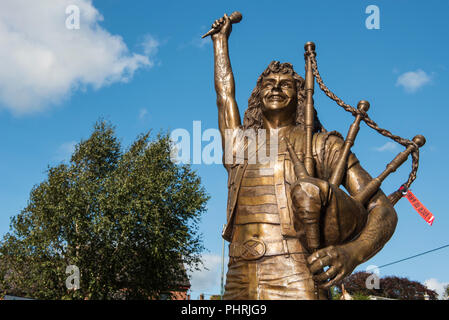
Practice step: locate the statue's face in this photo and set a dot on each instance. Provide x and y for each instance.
(278, 92)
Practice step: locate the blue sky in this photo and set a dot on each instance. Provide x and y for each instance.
(142, 65)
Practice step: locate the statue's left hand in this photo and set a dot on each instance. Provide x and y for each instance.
(309, 195)
(341, 261)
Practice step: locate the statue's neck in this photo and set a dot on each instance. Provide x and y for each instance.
(278, 119)
(278, 124)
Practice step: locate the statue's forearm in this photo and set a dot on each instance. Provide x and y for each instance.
(381, 220)
(224, 79)
(228, 113)
(379, 228)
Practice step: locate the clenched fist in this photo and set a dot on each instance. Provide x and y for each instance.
(223, 25)
(309, 196)
(340, 260)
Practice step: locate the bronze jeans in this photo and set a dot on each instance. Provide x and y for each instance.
(270, 278)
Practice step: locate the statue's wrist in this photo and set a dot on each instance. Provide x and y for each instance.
(357, 250)
(220, 37)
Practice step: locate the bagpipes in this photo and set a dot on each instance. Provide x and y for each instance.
(306, 169)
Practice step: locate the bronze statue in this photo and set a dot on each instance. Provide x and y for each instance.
(293, 232)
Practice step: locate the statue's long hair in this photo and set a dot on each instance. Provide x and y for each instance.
(253, 115)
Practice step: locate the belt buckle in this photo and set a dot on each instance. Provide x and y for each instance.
(253, 249)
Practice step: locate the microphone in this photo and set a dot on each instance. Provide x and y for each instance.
(235, 17)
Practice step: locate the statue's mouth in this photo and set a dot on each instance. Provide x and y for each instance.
(276, 97)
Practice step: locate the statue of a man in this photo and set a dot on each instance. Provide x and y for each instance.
(268, 253)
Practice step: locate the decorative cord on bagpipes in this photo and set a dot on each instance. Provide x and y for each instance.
(412, 146)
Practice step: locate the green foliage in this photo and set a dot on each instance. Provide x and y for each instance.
(128, 220)
(334, 293)
(358, 296)
(390, 287)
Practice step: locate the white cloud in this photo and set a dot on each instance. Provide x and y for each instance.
(196, 42)
(42, 61)
(413, 80)
(201, 42)
(150, 45)
(208, 279)
(142, 113)
(389, 146)
(437, 286)
(65, 151)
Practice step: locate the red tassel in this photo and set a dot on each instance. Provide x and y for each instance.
(419, 207)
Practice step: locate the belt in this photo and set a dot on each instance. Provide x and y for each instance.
(254, 248)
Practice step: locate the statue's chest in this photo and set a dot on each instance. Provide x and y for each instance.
(257, 201)
(263, 192)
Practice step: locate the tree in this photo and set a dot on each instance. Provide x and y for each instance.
(446, 292)
(127, 219)
(389, 287)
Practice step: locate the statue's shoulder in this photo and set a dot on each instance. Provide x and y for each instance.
(328, 139)
(327, 147)
(321, 140)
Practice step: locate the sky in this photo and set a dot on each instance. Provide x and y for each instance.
(142, 65)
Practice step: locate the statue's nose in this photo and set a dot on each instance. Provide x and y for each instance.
(277, 86)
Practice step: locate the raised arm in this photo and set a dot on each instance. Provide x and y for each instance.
(228, 113)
